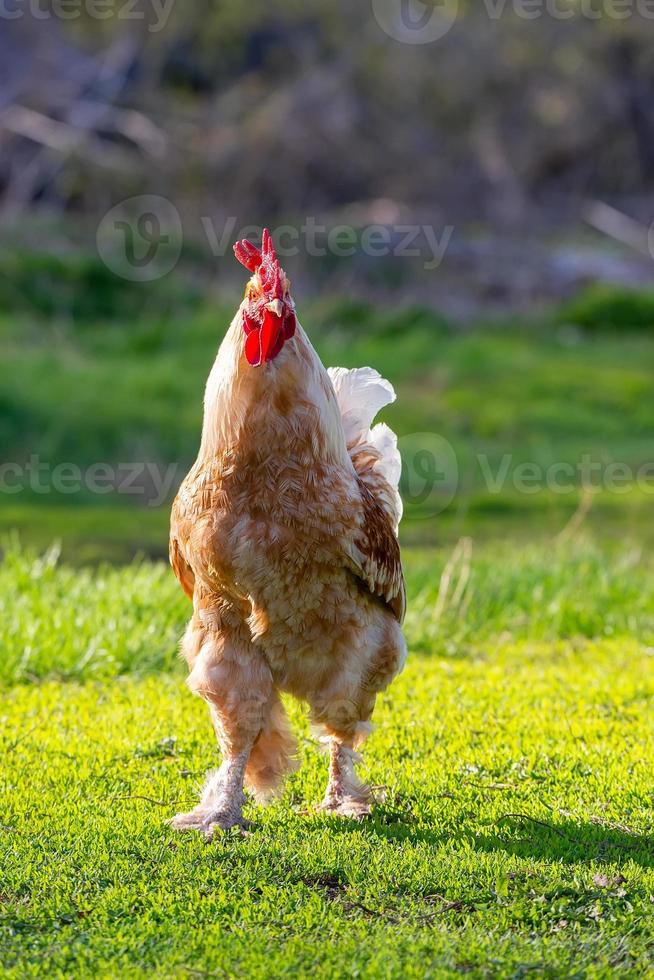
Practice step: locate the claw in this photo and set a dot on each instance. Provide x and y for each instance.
(346, 795)
(353, 809)
(206, 821)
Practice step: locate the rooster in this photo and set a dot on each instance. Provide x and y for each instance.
(284, 536)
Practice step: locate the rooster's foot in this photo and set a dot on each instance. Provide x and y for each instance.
(206, 820)
(346, 795)
(348, 806)
(221, 805)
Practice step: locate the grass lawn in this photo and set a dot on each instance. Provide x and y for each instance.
(515, 754)
(125, 390)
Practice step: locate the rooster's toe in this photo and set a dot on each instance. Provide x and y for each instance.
(348, 807)
(207, 821)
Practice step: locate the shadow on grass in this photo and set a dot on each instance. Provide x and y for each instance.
(569, 841)
(559, 840)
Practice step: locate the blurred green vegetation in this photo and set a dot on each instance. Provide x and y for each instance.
(80, 287)
(611, 308)
(80, 388)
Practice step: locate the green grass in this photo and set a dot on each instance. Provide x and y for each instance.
(88, 533)
(66, 623)
(85, 383)
(96, 532)
(121, 390)
(515, 752)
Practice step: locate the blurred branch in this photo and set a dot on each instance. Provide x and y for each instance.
(618, 225)
(59, 140)
(64, 138)
(58, 136)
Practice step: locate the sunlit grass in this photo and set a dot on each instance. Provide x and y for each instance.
(71, 623)
(515, 755)
(515, 835)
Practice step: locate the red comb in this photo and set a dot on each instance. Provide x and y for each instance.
(264, 261)
(247, 254)
(266, 331)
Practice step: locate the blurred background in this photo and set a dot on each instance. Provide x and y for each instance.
(462, 197)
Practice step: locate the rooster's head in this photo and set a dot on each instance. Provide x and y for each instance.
(268, 311)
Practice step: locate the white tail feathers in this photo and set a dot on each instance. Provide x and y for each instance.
(385, 442)
(361, 393)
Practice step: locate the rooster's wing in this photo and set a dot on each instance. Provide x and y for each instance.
(179, 532)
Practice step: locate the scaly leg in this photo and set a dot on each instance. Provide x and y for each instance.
(346, 795)
(221, 804)
(235, 681)
(344, 708)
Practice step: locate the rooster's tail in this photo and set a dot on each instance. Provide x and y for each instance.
(361, 393)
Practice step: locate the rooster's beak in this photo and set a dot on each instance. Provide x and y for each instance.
(275, 306)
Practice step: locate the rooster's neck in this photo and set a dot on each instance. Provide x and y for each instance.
(285, 406)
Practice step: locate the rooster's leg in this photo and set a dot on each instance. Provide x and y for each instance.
(235, 681)
(346, 795)
(222, 799)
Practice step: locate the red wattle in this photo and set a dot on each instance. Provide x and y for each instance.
(290, 322)
(270, 330)
(253, 348)
(277, 346)
(249, 324)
